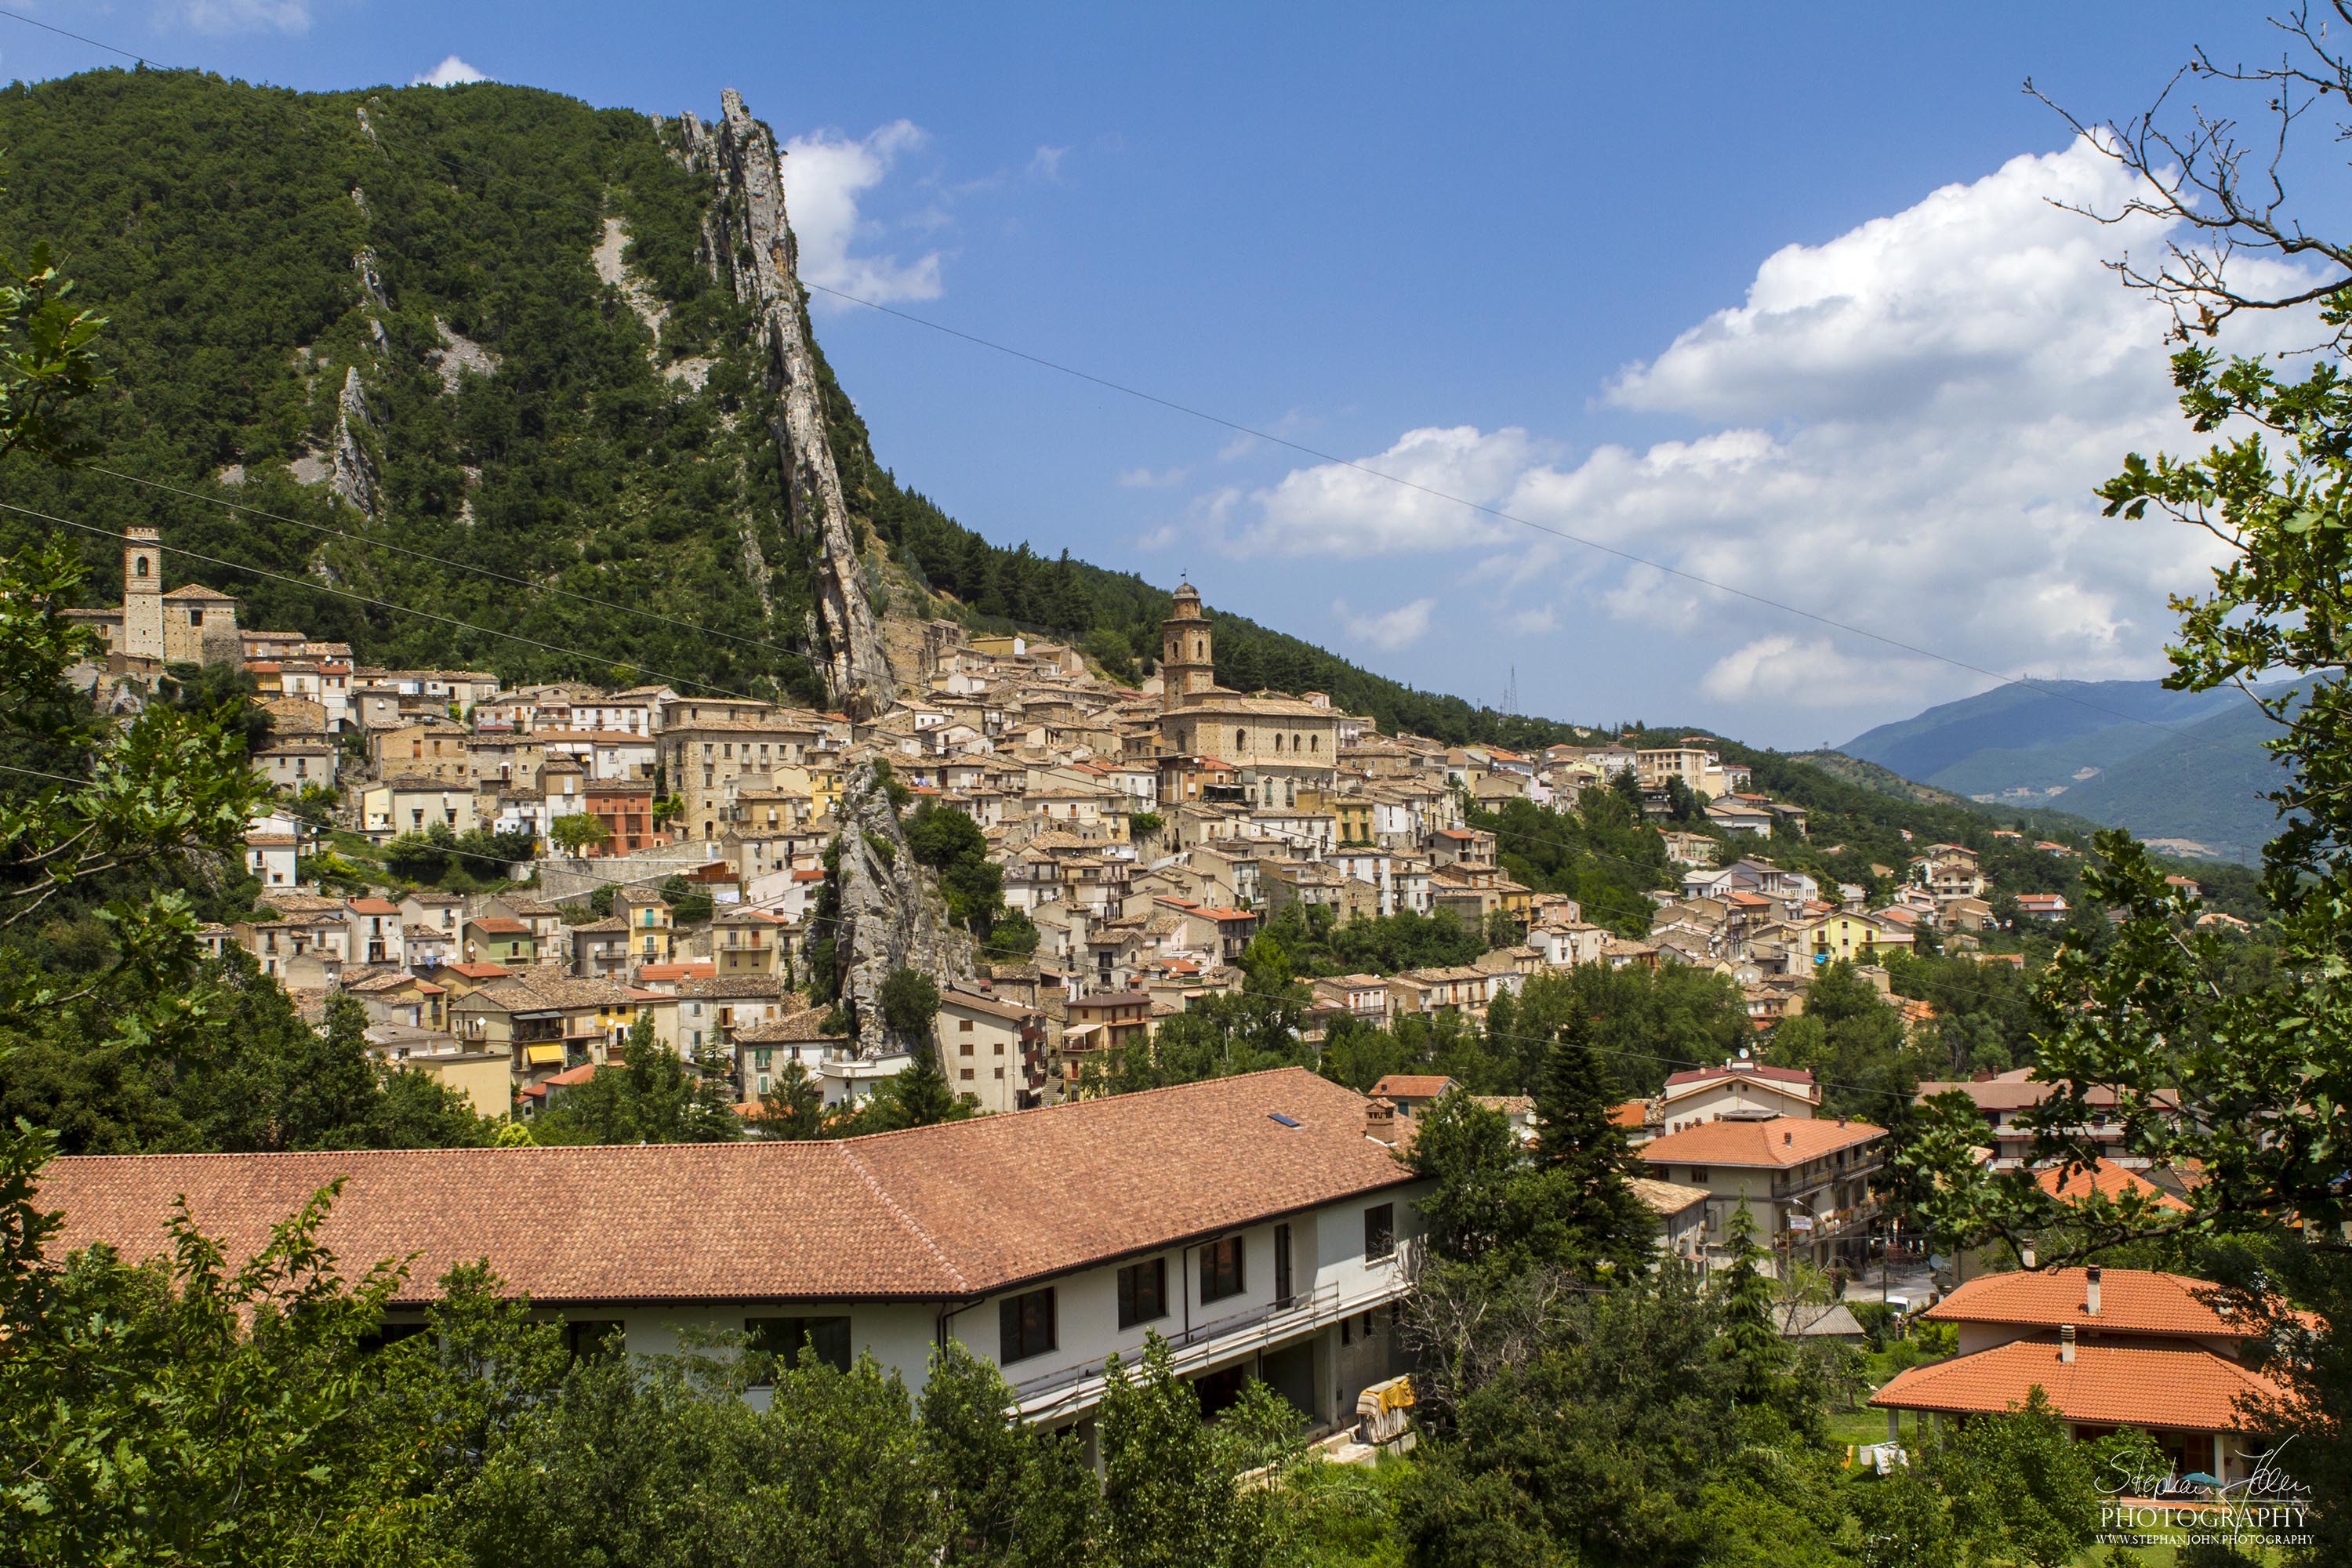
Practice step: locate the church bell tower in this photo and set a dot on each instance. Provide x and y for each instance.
(1186, 669)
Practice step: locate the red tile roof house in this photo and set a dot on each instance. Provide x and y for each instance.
(2133, 1348)
(1251, 1221)
(1739, 1089)
(1804, 1183)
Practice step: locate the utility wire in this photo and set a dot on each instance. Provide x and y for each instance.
(77, 37)
(453, 163)
(310, 587)
(488, 572)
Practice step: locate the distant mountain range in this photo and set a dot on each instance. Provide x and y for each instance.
(2185, 769)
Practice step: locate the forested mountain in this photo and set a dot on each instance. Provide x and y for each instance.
(466, 362)
(2121, 754)
(516, 411)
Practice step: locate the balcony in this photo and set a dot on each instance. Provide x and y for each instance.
(1066, 1390)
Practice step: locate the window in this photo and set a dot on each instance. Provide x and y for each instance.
(1024, 1326)
(586, 1339)
(1142, 1292)
(1380, 1231)
(1241, 739)
(789, 1340)
(964, 1075)
(1698, 1173)
(1220, 1270)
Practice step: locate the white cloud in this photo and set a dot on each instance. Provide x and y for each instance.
(1047, 164)
(1387, 630)
(451, 72)
(1336, 509)
(825, 175)
(240, 16)
(1802, 672)
(1899, 429)
(1150, 479)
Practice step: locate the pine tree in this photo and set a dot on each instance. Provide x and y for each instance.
(922, 1092)
(794, 1108)
(1581, 1154)
(1750, 1340)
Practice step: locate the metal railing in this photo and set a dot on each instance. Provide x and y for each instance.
(1262, 1325)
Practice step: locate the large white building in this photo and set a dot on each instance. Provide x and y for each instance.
(1252, 1222)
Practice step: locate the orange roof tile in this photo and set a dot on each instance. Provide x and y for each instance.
(2165, 1385)
(2109, 1180)
(953, 1210)
(1633, 1113)
(1775, 1141)
(2131, 1301)
(1413, 1086)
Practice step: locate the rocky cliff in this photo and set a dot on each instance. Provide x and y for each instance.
(747, 238)
(890, 916)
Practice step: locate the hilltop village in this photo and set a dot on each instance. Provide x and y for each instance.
(648, 854)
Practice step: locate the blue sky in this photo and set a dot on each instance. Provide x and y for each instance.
(1765, 293)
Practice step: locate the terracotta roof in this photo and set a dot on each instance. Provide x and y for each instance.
(698, 969)
(1633, 1113)
(1775, 1141)
(499, 925)
(1413, 1086)
(2110, 1180)
(801, 1025)
(2131, 1301)
(2105, 1386)
(1664, 1198)
(730, 987)
(950, 1211)
(1793, 1077)
(374, 907)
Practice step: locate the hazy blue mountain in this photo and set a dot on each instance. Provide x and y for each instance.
(2166, 764)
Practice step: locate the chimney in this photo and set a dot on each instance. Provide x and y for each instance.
(2066, 1344)
(1379, 1120)
(2091, 1289)
(2025, 1257)
(1788, 1138)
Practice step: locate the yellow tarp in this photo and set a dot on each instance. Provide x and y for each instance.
(540, 1056)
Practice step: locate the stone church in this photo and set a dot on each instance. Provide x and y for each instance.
(154, 626)
(1282, 746)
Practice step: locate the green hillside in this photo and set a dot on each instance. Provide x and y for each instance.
(257, 249)
(217, 224)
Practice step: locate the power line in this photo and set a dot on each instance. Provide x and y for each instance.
(451, 162)
(308, 586)
(1496, 512)
(77, 37)
(444, 561)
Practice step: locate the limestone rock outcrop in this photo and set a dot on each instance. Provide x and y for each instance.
(751, 241)
(891, 917)
(354, 471)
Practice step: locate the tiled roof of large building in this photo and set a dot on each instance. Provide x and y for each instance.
(2131, 1301)
(2104, 1386)
(1775, 1141)
(954, 1210)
